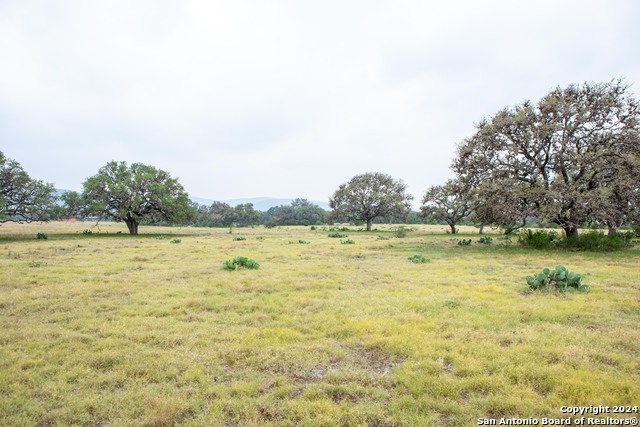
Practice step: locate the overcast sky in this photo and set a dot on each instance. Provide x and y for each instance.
(286, 98)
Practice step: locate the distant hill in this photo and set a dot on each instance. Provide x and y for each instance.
(259, 203)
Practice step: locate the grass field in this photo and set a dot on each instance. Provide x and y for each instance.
(111, 329)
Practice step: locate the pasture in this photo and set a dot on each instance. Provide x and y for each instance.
(112, 329)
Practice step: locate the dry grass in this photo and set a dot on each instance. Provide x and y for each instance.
(121, 330)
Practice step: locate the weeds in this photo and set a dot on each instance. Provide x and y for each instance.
(239, 238)
(337, 235)
(347, 242)
(418, 259)
(240, 262)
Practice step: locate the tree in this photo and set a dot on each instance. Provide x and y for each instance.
(244, 214)
(23, 199)
(448, 203)
(369, 196)
(299, 212)
(135, 193)
(555, 156)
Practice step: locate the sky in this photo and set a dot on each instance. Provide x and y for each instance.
(286, 99)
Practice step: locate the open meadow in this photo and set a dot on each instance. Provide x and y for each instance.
(112, 329)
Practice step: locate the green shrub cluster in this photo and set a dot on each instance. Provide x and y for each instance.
(347, 242)
(418, 259)
(41, 236)
(485, 240)
(238, 262)
(176, 241)
(464, 242)
(538, 239)
(559, 279)
(301, 242)
(238, 238)
(337, 235)
(591, 241)
(87, 232)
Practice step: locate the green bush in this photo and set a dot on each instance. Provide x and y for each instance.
(401, 232)
(41, 236)
(539, 239)
(418, 259)
(337, 235)
(347, 242)
(598, 241)
(176, 241)
(238, 238)
(486, 240)
(464, 242)
(313, 228)
(240, 262)
(559, 279)
(87, 232)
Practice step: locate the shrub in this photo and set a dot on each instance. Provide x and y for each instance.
(87, 232)
(464, 242)
(597, 241)
(538, 239)
(41, 236)
(238, 262)
(313, 228)
(486, 240)
(176, 241)
(337, 235)
(401, 232)
(259, 238)
(238, 238)
(347, 242)
(559, 279)
(418, 259)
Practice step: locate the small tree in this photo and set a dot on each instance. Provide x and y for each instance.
(369, 196)
(23, 199)
(135, 193)
(448, 203)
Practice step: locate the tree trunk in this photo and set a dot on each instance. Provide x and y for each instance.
(613, 230)
(369, 224)
(132, 225)
(481, 231)
(453, 228)
(571, 231)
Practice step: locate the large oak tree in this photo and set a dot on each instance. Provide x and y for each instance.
(135, 193)
(23, 199)
(371, 195)
(557, 155)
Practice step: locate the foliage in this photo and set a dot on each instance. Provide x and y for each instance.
(591, 241)
(299, 212)
(240, 262)
(418, 259)
(220, 214)
(347, 242)
(337, 235)
(557, 160)
(449, 203)
(485, 240)
(136, 193)
(23, 199)
(41, 236)
(175, 241)
(464, 242)
(383, 238)
(559, 279)
(369, 196)
(538, 239)
(597, 241)
(239, 238)
(86, 232)
(401, 231)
